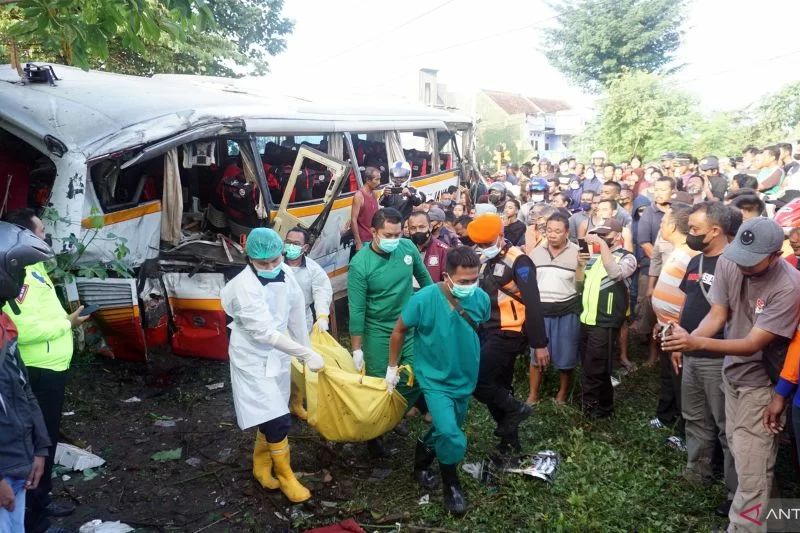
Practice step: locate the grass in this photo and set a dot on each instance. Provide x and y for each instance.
(615, 475)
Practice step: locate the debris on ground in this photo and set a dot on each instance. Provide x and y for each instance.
(164, 423)
(345, 526)
(542, 465)
(98, 526)
(75, 458)
(167, 455)
(215, 386)
(194, 461)
(132, 399)
(425, 500)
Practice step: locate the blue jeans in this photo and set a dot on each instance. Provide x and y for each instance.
(14, 521)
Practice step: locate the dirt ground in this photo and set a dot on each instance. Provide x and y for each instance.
(211, 486)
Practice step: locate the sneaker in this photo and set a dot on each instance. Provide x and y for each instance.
(657, 424)
(676, 443)
(615, 381)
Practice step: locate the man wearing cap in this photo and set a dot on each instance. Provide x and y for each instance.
(379, 283)
(605, 304)
(709, 166)
(509, 278)
(754, 297)
(438, 229)
(537, 194)
(400, 196)
(269, 325)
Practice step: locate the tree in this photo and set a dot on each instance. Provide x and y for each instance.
(217, 37)
(777, 116)
(642, 115)
(595, 40)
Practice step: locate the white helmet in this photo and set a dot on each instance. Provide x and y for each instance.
(400, 169)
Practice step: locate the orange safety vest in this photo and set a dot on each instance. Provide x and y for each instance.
(508, 311)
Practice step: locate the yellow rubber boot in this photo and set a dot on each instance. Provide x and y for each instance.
(262, 463)
(296, 403)
(283, 471)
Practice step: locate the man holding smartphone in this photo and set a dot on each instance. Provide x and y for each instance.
(45, 344)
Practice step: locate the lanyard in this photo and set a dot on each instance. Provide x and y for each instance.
(700, 273)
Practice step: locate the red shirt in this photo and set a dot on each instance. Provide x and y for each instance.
(435, 258)
(368, 209)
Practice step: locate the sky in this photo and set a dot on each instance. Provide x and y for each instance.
(734, 51)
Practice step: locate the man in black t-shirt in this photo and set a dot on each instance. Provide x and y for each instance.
(702, 399)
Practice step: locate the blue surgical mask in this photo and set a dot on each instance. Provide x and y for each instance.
(490, 252)
(463, 291)
(292, 251)
(269, 274)
(388, 245)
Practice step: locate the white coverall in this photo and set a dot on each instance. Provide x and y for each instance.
(316, 287)
(260, 350)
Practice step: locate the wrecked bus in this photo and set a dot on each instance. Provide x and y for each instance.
(149, 186)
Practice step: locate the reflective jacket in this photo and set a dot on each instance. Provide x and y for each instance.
(45, 332)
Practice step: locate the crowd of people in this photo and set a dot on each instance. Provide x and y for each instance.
(568, 264)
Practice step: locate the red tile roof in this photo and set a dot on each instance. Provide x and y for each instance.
(515, 104)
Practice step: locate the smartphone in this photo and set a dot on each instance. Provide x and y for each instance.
(584, 246)
(89, 309)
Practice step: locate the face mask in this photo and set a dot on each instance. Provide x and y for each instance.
(466, 241)
(563, 181)
(389, 245)
(49, 240)
(446, 203)
(696, 242)
(694, 190)
(796, 157)
(611, 242)
(574, 185)
(586, 206)
(463, 291)
(292, 251)
(537, 198)
(420, 237)
(269, 274)
(490, 252)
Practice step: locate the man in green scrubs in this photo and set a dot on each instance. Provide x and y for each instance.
(378, 286)
(445, 318)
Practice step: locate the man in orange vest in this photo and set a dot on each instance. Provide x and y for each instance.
(516, 324)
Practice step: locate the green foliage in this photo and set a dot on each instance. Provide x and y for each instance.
(777, 116)
(594, 41)
(490, 138)
(148, 36)
(643, 115)
(65, 268)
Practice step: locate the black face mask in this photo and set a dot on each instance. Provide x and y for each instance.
(420, 237)
(695, 242)
(466, 241)
(610, 242)
(49, 240)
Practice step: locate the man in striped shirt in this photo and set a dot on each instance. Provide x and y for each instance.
(668, 299)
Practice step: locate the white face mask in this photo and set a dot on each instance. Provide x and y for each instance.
(537, 198)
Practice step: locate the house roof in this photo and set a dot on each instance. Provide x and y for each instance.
(515, 104)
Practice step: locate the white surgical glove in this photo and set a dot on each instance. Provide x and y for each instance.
(315, 362)
(392, 377)
(322, 323)
(358, 359)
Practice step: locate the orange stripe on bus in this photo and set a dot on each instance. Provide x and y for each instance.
(338, 272)
(196, 304)
(126, 214)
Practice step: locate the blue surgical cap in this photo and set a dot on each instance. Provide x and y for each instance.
(263, 244)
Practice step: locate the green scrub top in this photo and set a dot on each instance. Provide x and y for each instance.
(446, 348)
(378, 286)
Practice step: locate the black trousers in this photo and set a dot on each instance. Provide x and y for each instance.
(668, 409)
(48, 387)
(275, 430)
(499, 351)
(597, 394)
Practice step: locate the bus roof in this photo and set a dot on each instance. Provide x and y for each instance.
(97, 113)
